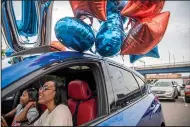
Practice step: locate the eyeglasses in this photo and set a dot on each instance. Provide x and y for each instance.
(45, 88)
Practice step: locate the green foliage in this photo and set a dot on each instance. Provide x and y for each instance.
(2, 52)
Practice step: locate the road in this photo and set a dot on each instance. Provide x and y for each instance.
(176, 113)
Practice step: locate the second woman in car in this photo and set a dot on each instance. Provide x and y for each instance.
(52, 94)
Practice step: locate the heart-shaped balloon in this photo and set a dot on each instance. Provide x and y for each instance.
(74, 34)
(145, 35)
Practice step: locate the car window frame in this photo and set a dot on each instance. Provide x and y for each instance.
(145, 84)
(126, 69)
(36, 75)
(116, 111)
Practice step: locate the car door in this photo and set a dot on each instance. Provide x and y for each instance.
(155, 117)
(98, 74)
(131, 108)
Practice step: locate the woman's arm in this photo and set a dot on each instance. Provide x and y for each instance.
(22, 116)
(10, 114)
(13, 112)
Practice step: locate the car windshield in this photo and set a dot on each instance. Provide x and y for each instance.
(163, 84)
(188, 82)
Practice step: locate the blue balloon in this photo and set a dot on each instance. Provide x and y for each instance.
(28, 25)
(153, 53)
(111, 34)
(120, 6)
(9, 52)
(74, 34)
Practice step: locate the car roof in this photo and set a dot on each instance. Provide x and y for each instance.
(16, 71)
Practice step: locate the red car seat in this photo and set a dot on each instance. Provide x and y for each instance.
(81, 103)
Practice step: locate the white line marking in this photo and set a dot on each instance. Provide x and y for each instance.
(185, 102)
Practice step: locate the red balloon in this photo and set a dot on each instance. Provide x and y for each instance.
(142, 8)
(95, 8)
(57, 46)
(145, 34)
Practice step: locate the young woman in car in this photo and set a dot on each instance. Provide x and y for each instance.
(52, 94)
(26, 112)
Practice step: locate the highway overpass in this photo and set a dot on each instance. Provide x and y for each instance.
(164, 68)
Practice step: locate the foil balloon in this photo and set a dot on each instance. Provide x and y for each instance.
(74, 34)
(89, 8)
(57, 46)
(34, 28)
(120, 6)
(28, 25)
(9, 52)
(111, 34)
(153, 53)
(145, 35)
(140, 9)
(12, 60)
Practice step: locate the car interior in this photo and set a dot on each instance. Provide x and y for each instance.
(80, 87)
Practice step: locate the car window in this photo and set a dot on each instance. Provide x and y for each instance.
(141, 84)
(163, 84)
(125, 87)
(188, 82)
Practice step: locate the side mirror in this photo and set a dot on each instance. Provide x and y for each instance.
(183, 85)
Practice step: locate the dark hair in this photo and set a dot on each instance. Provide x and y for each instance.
(32, 93)
(60, 95)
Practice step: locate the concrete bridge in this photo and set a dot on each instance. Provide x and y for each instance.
(183, 67)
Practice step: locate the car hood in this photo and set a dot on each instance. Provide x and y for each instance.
(161, 88)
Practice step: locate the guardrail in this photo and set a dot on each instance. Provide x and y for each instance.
(165, 65)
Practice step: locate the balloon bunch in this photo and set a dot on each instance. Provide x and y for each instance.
(148, 26)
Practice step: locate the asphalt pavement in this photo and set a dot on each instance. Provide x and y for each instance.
(176, 113)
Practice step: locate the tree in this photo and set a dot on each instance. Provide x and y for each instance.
(3, 52)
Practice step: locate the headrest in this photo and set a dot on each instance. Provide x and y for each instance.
(79, 90)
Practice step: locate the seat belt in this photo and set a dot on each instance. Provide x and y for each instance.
(75, 114)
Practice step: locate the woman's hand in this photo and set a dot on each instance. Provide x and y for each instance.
(31, 104)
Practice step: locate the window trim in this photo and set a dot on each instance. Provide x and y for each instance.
(118, 111)
(36, 75)
(125, 69)
(145, 84)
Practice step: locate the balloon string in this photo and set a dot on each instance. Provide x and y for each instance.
(129, 22)
(122, 56)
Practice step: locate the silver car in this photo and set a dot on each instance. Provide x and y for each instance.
(165, 90)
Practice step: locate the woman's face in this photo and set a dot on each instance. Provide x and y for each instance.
(24, 99)
(47, 93)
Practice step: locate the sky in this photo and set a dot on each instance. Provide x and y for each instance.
(175, 42)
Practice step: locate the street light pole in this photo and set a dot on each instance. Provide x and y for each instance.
(174, 59)
(142, 62)
(169, 56)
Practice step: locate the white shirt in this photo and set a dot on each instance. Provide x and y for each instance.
(60, 116)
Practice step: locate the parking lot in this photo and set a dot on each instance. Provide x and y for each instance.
(176, 113)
